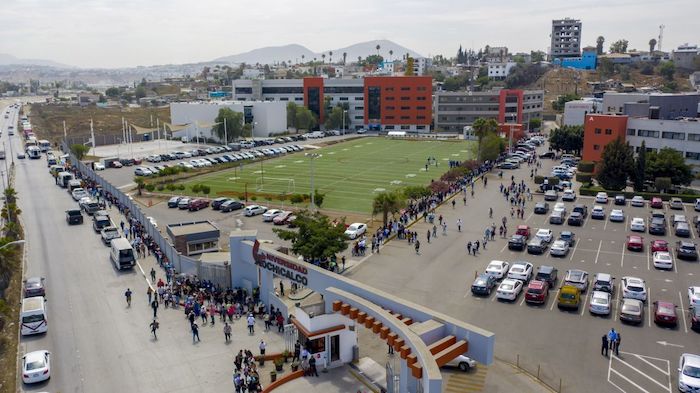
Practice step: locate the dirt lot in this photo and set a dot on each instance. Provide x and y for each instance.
(47, 120)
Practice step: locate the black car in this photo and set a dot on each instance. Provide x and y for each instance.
(583, 209)
(74, 216)
(100, 222)
(231, 205)
(569, 237)
(620, 199)
(517, 242)
(484, 284)
(216, 203)
(575, 219)
(548, 274)
(657, 225)
(172, 202)
(541, 207)
(536, 246)
(686, 250)
(549, 154)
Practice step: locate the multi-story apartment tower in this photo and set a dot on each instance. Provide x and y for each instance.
(566, 38)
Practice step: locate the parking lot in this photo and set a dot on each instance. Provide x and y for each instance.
(563, 343)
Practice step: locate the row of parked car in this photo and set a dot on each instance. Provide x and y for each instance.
(510, 280)
(523, 151)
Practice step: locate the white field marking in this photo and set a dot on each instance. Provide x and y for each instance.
(464, 151)
(346, 149)
(233, 178)
(423, 170)
(600, 244)
(330, 153)
(411, 175)
(395, 182)
(299, 161)
(379, 189)
(283, 166)
(454, 155)
(685, 323)
(447, 159)
(257, 172)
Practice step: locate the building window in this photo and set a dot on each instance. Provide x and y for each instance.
(421, 88)
(389, 89)
(420, 117)
(420, 127)
(359, 98)
(597, 130)
(694, 137)
(388, 127)
(405, 117)
(284, 98)
(282, 90)
(648, 133)
(596, 147)
(608, 131)
(359, 117)
(405, 108)
(692, 156)
(420, 98)
(405, 127)
(390, 98)
(420, 108)
(405, 98)
(343, 89)
(343, 98)
(374, 97)
(390, 108)
(673, 135)
(631, 131)
(359, 108)
(299, 99)
(405, 89)
(390, 117)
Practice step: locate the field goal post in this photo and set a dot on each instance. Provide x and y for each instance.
(278, 185)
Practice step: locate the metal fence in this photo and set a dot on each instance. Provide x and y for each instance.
(218, 274)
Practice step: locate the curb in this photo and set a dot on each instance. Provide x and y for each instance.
(357, 373)
(527, 373)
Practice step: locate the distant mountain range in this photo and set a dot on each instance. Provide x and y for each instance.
(294, 52)
(6, 59)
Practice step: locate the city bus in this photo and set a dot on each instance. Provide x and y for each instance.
(44, 145)
(33, 152)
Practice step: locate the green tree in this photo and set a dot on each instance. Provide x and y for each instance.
(524, 75)
(234, 125)
(668, 162)
(334, 119)
(373, 60)
(606, 67)
(599, 45)
(409, 67)
(537, 56)
(79, 150)
(292, 115)
(619, 46)
(535, 123)
(483, 127)
(306, 119)
(317, 237)
(113, 92)
(617, 162)
(416, 192)
(640, 165)
(451, 84)
(561, 101)
(140, 183)
(491, 147)
(140, 92)
(647, 69)
(652, 45)
(318, 198)
(387, 202)
(667, 70)
(567, 138)
(663, 184)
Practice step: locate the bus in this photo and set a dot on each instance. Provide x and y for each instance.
(44, 145)
(33, 152)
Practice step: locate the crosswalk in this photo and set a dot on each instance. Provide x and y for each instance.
(633, 372)
(472, 381)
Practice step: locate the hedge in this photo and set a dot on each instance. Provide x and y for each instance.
(584, 177)
(591, 191)
(586, 166)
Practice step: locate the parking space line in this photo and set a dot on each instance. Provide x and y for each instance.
(530, 216)
(571, 258)
(555, 300)
(617, 302)
(685, 323)
(649, 259)
(522, 301)
(585, 300)
(504, 247)
(640, 372)
(610, 369)
(600, 244)
(622, 260)
(649, 302)
(673, 261)
(606, 223)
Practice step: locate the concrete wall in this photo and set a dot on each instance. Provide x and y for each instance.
(614, 103)
(576, 111)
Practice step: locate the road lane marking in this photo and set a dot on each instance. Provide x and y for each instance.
(622, 260)
(583, 309)
(649, 305)
(685, 323)
(600, 244)
(573, 252)
(638, 371)
(555, 300)
(616, 304)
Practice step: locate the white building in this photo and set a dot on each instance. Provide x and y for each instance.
(499, 71)
(421, 65)
(682, 135)
(576, 111)
(266, 117)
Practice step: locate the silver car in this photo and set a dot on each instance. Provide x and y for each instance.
(559, 248)
(462, 362)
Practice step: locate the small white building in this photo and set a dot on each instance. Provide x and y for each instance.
(499, 71)
(421, 65)
(251, 73)
(266, 117)
(576, 111)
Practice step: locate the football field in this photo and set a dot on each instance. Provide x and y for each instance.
(348, 173)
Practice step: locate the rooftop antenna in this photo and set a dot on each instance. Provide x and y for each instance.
(661, 35)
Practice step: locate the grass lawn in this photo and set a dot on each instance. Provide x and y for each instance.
(349, 173)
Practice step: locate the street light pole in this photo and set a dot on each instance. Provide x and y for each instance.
(345, 112)
(13, 242)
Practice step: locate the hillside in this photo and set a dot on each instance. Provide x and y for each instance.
(47, 121)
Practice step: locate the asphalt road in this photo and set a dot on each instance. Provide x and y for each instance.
(565, 345)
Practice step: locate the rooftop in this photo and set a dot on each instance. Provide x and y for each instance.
(186, 228)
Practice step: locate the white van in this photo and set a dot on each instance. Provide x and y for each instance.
(697, 204)
(122, 254)
(33, 314)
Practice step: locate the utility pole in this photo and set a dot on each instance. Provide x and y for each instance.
(312, 157)
(225, 133)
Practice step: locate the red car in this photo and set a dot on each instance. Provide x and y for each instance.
(635, 243)
(657, 203)
(659, 245)
(665, 313)
(536, 292)
(197, 204)
(523, 230)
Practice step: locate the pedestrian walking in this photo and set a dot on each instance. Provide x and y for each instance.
(297, 350)
(149, 292)
(469, 248)
(604, 348)
(464, 199)
(251, 324)
(434, 231)
(391, 349)
(127, 295)
(195, 332)
(444, 228)
(417, 246)
(459, 225)
(262, 347)
(490, 212)
(153, 274)
(476, 247)
(612, 337)
(203, 315)
(154, 306)
(227, 332)
(428, 236)
(453, 203)
(618, 339)
(154, 326)
(312, 366)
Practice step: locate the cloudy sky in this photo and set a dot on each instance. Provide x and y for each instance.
(110, 33)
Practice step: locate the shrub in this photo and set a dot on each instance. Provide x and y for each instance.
(253, 198)
(196, 188)
(553, 180)
(296, 198)
(160, 187)
(150, 187)
(204, 189)
(539, 179)
(181, 187)
(171, 187)
(586, 166)
(584, 177)
(439, 186)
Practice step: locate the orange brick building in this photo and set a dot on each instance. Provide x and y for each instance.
(598, 131)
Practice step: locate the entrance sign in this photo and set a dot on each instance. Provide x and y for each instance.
(280, 266)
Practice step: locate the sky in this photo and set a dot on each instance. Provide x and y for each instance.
(126, 33)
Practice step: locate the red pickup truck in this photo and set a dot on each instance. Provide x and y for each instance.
(197, 204)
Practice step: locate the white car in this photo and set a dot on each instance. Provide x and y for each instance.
(254, 210)
(141, 171)
(634, 288)
(638, 225)
(559, 248)
(270, 215)
(663, 260)
(689, 373)
(462, 362)
(694, 296)
(186, 165)
(36, 366)
(356, 230)
(509, 289)
(601, 197)
(637, 201)
(99, 166)
(497, 269)
(520, 271)
(544, 234)
(79, 193)
(568, 195)
(617, 215)
(559, 207)
(600, 303)
(598, 212)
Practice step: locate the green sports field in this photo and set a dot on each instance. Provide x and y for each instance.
(349, 173)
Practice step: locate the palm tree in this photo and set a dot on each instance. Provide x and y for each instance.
(330, 57)
(378, 47)
(388, 202)
(302, 58)
(359, 59)
(323, 57)
(652, 45)
(599, 44)
(483, 127)
(345, 56)
(391, 53)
